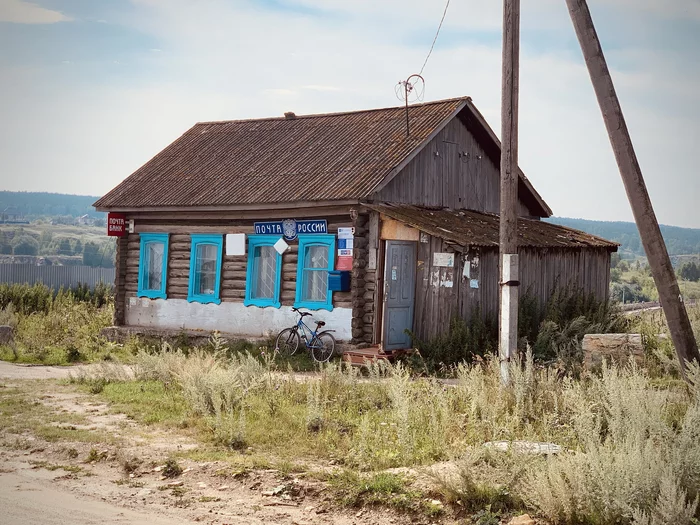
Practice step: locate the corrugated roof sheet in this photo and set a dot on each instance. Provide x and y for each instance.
(470, 228)
(307, 158)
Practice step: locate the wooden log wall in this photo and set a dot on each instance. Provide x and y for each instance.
(452, 171)
(363, 285)
(119, 277)
(233, 271)
(131, 273)
(178, 266)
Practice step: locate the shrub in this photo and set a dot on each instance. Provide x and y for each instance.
(555, 331)
(56, 329)
(637, 446)
(8, 317)
(461, 342)
(568, 315)
(213, 386)
(38, 298)
(26, 299)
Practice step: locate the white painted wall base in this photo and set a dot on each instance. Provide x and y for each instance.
(233, 318)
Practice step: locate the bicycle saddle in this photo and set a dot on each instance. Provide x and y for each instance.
(320, 323)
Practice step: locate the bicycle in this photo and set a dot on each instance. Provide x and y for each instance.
(321, 344)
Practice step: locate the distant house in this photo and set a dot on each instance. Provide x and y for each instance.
(84, 220)
(12, 214)
(376, 232)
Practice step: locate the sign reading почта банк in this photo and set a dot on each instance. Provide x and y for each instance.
(116, 225)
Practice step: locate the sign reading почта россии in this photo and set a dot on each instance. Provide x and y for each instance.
(291, 228)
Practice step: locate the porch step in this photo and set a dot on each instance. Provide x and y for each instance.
(360, 356)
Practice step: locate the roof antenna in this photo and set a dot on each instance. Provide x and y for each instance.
(410, 90)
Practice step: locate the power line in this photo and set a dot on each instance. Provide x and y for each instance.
(436, 37)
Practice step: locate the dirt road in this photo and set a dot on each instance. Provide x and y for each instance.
(28, 498)
(84, 481)
(29, 495)
(11, 371)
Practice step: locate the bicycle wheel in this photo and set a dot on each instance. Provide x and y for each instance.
(322, 347)
(287, 342)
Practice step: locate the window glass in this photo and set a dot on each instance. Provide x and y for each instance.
(315, 278)
(154, 265)
(265, 273)
(205, 278)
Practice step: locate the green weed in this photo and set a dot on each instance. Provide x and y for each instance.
(355, 490)
(171, 469)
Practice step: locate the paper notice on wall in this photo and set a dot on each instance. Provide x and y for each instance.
(474, 283)
(281, 246)
(446, 260)
(346, 233)
(235, 244)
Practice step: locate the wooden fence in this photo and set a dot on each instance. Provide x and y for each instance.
(55, 276)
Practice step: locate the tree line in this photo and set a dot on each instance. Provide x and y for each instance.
(32, 205)
(679, 241)
(92, 253)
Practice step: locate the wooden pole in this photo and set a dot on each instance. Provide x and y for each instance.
(508, 322)
(659, 261)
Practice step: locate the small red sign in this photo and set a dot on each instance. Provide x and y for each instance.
(343, 262)
(116, 224)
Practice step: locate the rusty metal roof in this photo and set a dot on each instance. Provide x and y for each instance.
(328, 157)
(470, 228)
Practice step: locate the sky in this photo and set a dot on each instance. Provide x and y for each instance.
(92, 89)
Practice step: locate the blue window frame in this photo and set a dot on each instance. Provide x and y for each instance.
(205, 268)
(316, 259)
(262, 282)
(153, 265)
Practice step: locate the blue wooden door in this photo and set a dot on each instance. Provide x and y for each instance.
(400, 285)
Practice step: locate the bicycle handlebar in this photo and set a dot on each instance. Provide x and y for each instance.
(297, 310)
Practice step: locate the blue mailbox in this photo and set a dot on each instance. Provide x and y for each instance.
(339, 281)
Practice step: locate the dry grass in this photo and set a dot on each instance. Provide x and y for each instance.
(629, 444)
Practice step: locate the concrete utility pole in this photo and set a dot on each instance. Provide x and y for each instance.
(508, 322)
(659, 262)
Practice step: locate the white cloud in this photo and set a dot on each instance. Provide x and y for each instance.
(23, 12)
